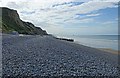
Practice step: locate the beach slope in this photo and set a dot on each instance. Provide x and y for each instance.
(46, 56)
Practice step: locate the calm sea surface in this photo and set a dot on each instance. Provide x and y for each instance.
(97, 41)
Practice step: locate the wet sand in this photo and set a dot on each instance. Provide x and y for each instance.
(110, 50)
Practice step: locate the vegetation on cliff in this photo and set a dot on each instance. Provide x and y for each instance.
(11, 21)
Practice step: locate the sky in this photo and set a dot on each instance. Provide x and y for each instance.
(69, 17)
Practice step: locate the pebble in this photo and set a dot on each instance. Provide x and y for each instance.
(46, 56)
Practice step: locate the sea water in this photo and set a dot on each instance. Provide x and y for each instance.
(96, 41)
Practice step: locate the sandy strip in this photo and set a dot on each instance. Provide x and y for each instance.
(109, 50)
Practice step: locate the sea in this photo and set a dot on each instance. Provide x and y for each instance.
(96, 41)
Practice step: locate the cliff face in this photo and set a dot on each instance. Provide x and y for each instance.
(12, 22)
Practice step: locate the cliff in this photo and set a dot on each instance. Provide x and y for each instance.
(11, 21)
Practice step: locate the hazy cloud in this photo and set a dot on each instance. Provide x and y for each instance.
(92, 15)
(52, 14)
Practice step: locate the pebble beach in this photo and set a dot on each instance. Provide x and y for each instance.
(46, 56)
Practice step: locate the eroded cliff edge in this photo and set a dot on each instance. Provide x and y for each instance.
(11, 21)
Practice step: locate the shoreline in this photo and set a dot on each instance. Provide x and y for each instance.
(71, 40)
(96, 42)
(109, 50)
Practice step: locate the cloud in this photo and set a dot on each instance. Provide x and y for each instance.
(105, 0)
(84, 16)
(109, 22)
(31, 12)
(92, 15)
(83, 20)
(70, 4)
(14, 5)
(55, 13)
(88, 7)
(116, 19)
